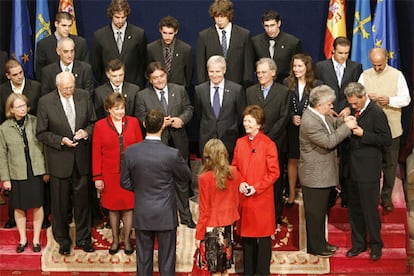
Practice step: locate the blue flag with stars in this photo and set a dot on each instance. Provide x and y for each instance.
(384, 31)
(362, 34)
(21, 41)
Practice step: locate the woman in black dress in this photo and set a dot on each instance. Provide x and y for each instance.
(300, 82)
(22, 167)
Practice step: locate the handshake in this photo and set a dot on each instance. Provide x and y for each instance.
(246, 189)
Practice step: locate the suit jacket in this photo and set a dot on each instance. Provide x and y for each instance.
(46, 52)
(325, 71)
(366, 151)
(276, 107)
(52, 126)
(317, 166)
(178, 106)
(239, 58)
(152, 169)
(182, 62)
(133, 53)
(129, 91)
(228, 125)
(31, 90)
(81, 70)
(3, 60)
(286, 46)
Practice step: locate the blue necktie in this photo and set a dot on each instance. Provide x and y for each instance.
(224, 42)
(216, 102)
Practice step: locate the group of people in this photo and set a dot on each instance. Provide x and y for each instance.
(60, 133)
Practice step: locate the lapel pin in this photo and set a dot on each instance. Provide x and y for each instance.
(76, 75)
(283, 46)
(226, 90)
(129, 37)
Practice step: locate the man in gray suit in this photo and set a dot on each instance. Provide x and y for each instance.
(172, 52)
(115, 72)
(46, 48)
(226, 124)
(173, 100)
(152, 170)
(82, 71)
(65, 119)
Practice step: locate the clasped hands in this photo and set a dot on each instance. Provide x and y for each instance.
(174, 122)
(79, 135)
(351, 123)
(246, 189)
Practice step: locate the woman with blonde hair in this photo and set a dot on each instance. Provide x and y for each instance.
(218, 207)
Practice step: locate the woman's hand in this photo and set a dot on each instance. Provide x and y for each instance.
(197, 243)
(99, 184)
(7, 185)
(296, 120)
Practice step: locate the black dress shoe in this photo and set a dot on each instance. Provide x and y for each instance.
(36, 247)
(87, 247)
(45, 224)
(375, 255)
(113, 251)
(11, 223)
(330, 247)
(64, 250)
(325, 254)
(20, 248)
(191, 224)
(129, 251)
(353, 252)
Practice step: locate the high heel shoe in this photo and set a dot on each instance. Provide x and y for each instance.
(36, 247)
(113, 251)
(129, 249)
(20, 248)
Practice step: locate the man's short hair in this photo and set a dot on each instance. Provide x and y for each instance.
(63, 40)
(154, 120)
(153, 66)
(342, 41)
(321, 94)
(118, 6)
(169, 22)
(270, 15)
(11, 63)
(114, 65)
(355, 89)
(223, 8)
(216, 60)
(63, 15)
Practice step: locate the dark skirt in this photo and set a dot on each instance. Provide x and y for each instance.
(218, 248)
(293, 141)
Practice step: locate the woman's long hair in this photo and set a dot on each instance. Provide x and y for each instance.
(216, 159)
(310, 77)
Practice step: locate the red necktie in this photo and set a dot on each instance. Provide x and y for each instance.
(357, 114)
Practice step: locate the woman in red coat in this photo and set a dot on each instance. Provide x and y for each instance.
(111, 136)
(218, 206)
(256, 158)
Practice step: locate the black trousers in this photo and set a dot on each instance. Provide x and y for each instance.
(257, 253)
(279, 186)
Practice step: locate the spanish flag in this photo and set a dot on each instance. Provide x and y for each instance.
(335, 25)
(67, 6)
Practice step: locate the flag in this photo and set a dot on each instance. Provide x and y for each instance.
(335, 24)
(42, 21)
(384, 31)
(67, 6)
(362, 34)
(21, 37)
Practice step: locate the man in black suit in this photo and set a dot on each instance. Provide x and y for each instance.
(115, 72)
(367, 141)
(231, 99)
(65, 120)
(173, 53)
(67, 63)
(228, 40)
(276, 44)
(337, 72)
(274, 98)
(153, 170)
(120, 40)
(31, 89)
(46, 48)
(174, 101)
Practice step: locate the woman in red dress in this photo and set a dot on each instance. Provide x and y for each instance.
(111, 136)
(218, 207)
(256, 158)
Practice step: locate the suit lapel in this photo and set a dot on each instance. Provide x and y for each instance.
(59, 110)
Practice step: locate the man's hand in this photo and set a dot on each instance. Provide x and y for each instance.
(176, 122)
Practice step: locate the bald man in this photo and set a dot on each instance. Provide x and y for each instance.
(387, 87)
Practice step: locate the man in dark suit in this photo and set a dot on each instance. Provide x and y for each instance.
(274, 98)
(231, 99)
(337, 72)
(31, 89)
(115, 72)
(228, 40)
(46, 48)
(65, 120)
(152, 170)
(174, 101)
(120, 40)
(173, 53)
(276, 44)
(3, 60)
(367, 141)
(81, 70)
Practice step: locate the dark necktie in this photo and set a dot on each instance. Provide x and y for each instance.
(224, 42)
(164, 103)
(168, 58)
(357, 114)
(216, 102)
